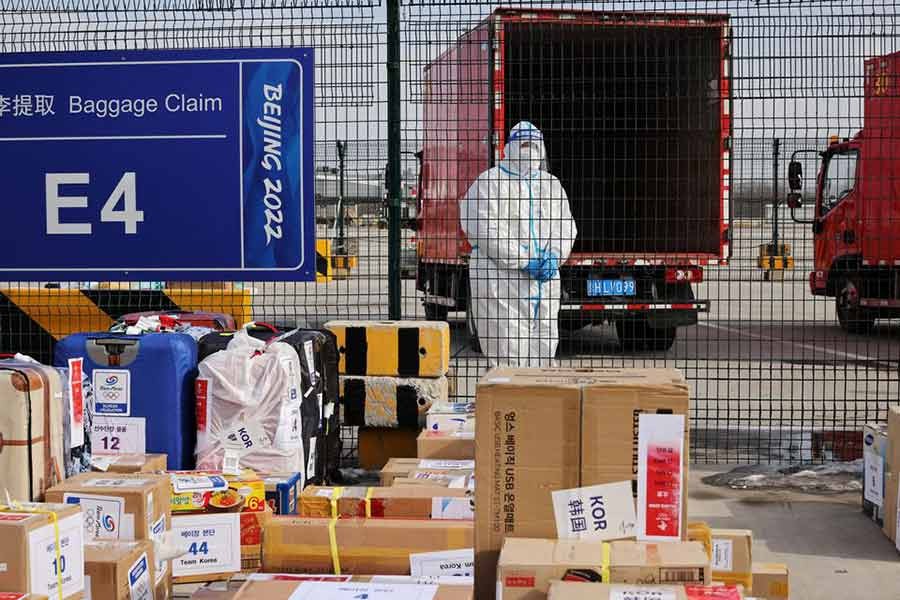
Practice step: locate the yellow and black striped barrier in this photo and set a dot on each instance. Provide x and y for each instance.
(33, 319)
(392, 348)
(775, 257)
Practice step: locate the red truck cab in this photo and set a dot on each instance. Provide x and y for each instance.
(856, 223)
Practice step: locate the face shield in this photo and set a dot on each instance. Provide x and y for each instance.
(525, 150)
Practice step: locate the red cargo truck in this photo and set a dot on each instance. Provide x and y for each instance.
(635, 111)
(856, 224)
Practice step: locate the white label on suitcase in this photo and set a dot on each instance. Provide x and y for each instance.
(213, 543)
(102, 515)
(118, 435)
(139, 579)
(112, 392)
(42, 551)
(311, 463)
(311, 362)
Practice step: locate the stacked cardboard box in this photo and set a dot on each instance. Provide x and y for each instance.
(892, 476)
(355, 587)
(453, 473)
(562, 590)
(419, 502)
(121, 570)
(129, 463)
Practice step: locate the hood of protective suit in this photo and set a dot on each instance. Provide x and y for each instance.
(525, 151)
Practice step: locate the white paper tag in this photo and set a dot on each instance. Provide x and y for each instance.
(423, 580)
(102, 515)
(185, 482)
(874, 474)
(448, 563)
(157, 531)
(598, 512)
(660, 476)
(245, 437)
(127, 531)
(112, 392)
(452, 508)
(311, 462)
(231, 462)
(642, 593)
(42, 551)
(139, 579)
(213, 544)
(116, 482)
(76, 400)
(317, 590)
(311, 362)
(102, 463)
(118, 435)
(722, 555)
(288, 435)
(447, 465)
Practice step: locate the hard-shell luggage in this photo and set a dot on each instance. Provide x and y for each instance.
(318, 355)
(143, 392)
(213, 320)
(393, 348)
(31, 429)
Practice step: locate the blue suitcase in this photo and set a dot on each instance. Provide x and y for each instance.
(143, 392)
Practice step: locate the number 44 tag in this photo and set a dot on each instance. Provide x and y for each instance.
(118, 435)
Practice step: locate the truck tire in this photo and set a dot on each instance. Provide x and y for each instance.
(852, 317)
(636, 335)
(436, 312)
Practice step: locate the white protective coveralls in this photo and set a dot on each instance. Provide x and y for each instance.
(512, 214)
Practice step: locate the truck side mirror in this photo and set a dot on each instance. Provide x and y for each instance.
(794, 201)
(795, 176)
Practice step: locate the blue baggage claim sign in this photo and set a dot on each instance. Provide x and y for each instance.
(158, 165)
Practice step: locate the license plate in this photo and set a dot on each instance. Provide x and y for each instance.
(610, 287)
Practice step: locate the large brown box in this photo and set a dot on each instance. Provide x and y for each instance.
(146, 499)
(377, 445)
(107, 566)
(892, 474)
(28, 549)
(446, 445)
(383, 502)
(413, 468)
(771, 581)
(527, 566)
(383, 546)
(136, 463)
(732, 557)
(283, 590)
(541, 430)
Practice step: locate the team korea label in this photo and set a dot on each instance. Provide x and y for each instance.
(213, 544)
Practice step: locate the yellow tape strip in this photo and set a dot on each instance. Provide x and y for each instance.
(53, 520)
(604, 568)
(369, 493)
(332, 538)
(335, 496)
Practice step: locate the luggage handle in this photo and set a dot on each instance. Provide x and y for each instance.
(261, 325)
(118, 352)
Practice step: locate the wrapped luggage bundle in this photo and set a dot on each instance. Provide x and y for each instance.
(249, 407)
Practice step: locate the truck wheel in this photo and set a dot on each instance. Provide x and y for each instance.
(436, 312)
(852, 317)
(636, 335)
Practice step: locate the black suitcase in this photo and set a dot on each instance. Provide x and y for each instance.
(319, 412)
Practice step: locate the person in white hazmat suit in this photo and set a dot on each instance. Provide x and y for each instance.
(518, 221)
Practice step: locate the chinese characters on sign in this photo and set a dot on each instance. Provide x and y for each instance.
(601, 512)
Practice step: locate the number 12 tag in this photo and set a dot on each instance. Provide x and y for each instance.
(118, 435)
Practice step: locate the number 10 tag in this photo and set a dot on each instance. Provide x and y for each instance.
(118, 435)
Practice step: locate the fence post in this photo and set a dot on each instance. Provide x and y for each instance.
(394, 132)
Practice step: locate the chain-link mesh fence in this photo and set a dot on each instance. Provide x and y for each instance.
(659, 122)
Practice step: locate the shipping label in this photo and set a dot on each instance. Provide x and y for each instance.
(454, 563)
(423, 580)
(213, 543)
(118, 435)
(157, 531)
(722, 555)
(68, 564)
(452, 508)
(598, 512)
(660, 485)
(102, 515)
(183, 482)
(717, 592)
(447, 465)
(315, 590)
(76, 400)
(117, 482)
(642, 593)
(112, 392)
(139, 579)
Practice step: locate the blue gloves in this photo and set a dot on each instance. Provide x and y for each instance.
(544, 267)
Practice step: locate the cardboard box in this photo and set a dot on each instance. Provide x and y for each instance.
(875, 450)
(732, 557)
(418, 502)
(568, 590)
(283, 491)
(383, 546)
(286, 590)
(451, 416)
(129, 463)
(892, 469)
(378, 445)
(446, 445)
(527, 566)
(196, 491)
(423, 469)
(558, 429)
(700, 531)
(119, 570)
(123, 506)
(29, 550)
(252, 525)
(771, 581)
